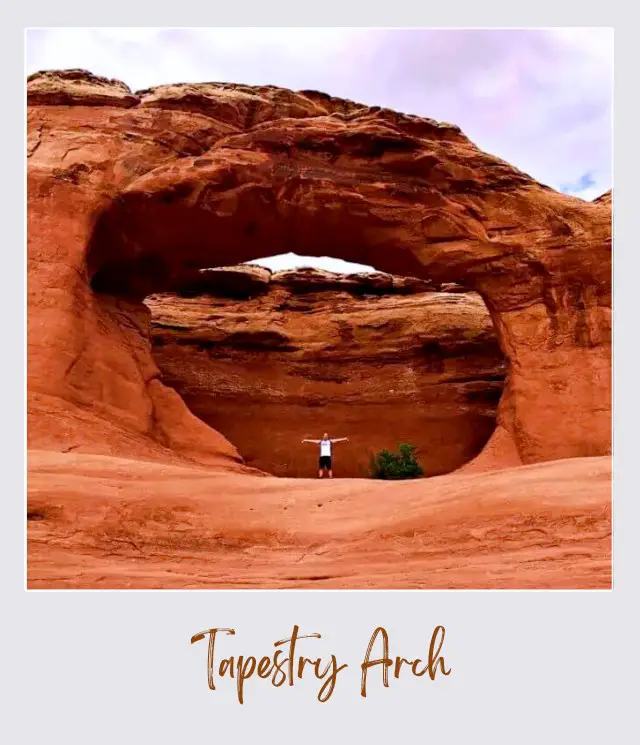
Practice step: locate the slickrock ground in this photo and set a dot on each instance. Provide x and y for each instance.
(375, 358)
(129, 192)
(106, 522)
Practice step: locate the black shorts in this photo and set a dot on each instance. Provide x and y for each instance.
(325, 462)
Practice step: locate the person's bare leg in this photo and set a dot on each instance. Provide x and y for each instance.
(330, 474)
(320, 474)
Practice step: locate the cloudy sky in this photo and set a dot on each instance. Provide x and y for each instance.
(540, 99)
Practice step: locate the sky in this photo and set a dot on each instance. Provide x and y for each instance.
(539, 99)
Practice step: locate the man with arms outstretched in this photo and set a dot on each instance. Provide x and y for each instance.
(324, 464)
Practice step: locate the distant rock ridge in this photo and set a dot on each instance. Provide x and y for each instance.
(247, 280)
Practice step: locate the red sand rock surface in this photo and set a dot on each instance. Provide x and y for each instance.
(128, 191)
(103, 522)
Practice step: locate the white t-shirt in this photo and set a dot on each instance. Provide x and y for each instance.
(325, 447)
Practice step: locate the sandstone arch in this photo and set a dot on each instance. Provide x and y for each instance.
(127, 190)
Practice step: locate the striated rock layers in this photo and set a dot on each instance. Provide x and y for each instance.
(269, 359)
(127, 192)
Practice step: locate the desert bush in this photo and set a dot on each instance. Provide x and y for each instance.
(401, 465)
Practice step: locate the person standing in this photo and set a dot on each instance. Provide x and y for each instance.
(326, 458)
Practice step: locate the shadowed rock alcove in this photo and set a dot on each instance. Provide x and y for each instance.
(268, 358)
(381, 365)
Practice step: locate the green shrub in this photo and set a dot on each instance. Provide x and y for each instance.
(400, 465)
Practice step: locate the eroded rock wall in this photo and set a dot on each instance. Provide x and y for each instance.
(270, 359)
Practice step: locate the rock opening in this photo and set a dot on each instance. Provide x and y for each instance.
(268, 358)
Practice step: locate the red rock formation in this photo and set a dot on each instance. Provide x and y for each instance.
(132, 194)
(605, 199)
(127, 191)
(269, 359)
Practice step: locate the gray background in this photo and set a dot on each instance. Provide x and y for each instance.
(104, 667)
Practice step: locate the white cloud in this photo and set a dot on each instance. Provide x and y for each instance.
(293, 261)
(587, 194)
